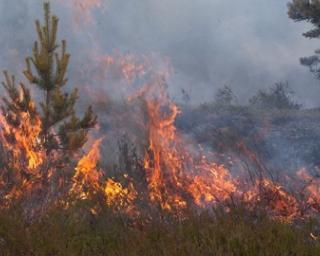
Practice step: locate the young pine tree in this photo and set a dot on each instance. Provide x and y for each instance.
(309, 11)
(61, 132)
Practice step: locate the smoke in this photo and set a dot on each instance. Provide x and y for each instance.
(246, 44)
(123, 48)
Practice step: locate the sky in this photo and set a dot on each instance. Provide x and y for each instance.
(248, 44)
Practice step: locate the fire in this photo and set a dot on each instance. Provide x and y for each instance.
(175, 178)
(275, 198)
(26, 138)
(120, 197)
(87, 182)
(89, 161)
(213, 185)
(162, 161)
(25, 157)
(87, 176)
(312, 188)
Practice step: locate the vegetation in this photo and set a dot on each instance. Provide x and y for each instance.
(225, 97)
(61, 131)
(78, 232)
(96, 217)
(42, 136)
(278, 97)
(302, 10)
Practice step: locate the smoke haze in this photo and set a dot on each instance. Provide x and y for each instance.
(249, 44)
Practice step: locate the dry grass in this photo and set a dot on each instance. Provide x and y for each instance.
(77, 232)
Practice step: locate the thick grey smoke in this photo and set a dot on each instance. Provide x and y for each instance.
(248, 44)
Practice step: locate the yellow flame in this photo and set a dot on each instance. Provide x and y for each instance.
(87, 178)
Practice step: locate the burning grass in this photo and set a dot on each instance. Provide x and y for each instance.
(168, 190)
(170, 173)
(166, 195)
(166, 201)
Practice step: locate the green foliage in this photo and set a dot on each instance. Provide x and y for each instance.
(309, 11)
(312, 63)
(278, 97)
(76, 231)
(61, 130)
(41, 137)
(306, 10)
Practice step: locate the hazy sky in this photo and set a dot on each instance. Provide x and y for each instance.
(247, 44)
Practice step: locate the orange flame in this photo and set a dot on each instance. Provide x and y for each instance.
(87, 176)
(174, 176)
(120, 197)
(312, 188)
(26, 138)
(275, 198)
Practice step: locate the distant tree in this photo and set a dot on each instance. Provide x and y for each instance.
(225, 97)
(308, 10)
(278, 96)
(185, 96)
(61, 132)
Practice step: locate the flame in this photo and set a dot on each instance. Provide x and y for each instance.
(175, 177)
(283, 205)
(25, 158)
(162, 161)
(26, 137)
(87, 177)
(312, 188)
(213, 185)
(120, 197)
(87, 181)
(89, 161)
